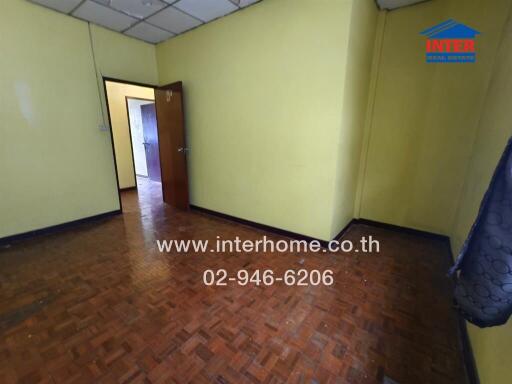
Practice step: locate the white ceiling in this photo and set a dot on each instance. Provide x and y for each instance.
(150, 20)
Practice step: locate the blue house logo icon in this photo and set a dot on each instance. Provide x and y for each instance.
(450, 42)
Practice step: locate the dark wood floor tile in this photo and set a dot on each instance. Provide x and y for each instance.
(99, 304)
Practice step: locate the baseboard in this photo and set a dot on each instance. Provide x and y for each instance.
(324, 243)
(399, 228)
(345, 229)
(467, 352)
(264, 227)
(465, 341)
(128, 189)
(55, 228)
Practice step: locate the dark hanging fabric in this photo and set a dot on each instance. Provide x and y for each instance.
(483, 291)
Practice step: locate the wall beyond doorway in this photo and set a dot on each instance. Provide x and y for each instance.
(116, 95)
(137, 135)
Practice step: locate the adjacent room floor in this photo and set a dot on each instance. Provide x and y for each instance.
(99, 304)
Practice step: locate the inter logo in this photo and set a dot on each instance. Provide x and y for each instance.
(450, 42)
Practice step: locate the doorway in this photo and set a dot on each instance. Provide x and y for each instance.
(144, 137)
(148, 141)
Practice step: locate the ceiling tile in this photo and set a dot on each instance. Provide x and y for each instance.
(206, 10)
(149, 20)
(149, 33)
(245, 3)
(104, 16)
(173, 20)
(138, 8)
(65, 6)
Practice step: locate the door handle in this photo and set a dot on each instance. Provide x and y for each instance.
(183, 149)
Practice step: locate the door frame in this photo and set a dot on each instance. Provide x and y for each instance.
(126, 98)
(114, 80)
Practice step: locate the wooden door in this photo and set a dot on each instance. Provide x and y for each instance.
(173, 149)
(148, 113)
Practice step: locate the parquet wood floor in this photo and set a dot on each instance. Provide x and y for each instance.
(99, 304)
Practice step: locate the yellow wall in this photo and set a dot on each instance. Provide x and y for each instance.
(425, 116)
(363, 26)
(56, 164)
(263, 93)
(288, 126)
(122, 58)
(431, 125)
(493, 346)
(273, 141)
(117, 93)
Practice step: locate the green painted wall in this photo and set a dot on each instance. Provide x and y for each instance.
(492, 346)
(264, 95)
(424, 117)
(56, 164)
